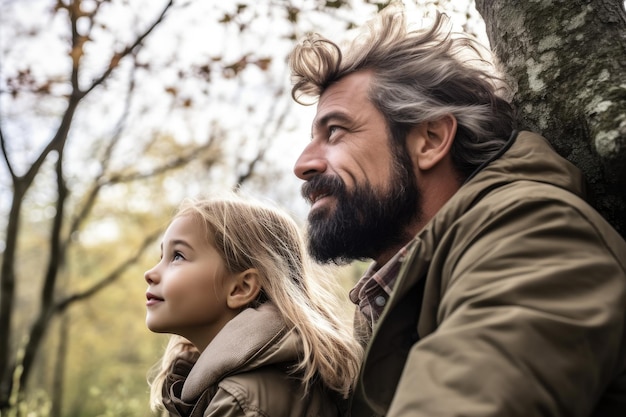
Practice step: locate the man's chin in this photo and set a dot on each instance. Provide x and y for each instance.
(327, 246)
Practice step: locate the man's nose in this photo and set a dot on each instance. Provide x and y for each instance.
(311, 162)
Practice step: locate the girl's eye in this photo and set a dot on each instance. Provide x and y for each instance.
(177, 256)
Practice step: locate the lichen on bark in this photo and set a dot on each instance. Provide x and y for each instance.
(568, 60)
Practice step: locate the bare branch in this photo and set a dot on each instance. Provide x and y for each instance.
(97, 184)
(57, 249)
(170, 165)
(109, 278)
(265, 137)
(5, 153)
(60, 137)
(129, 49)
(57, 257)
(56, 143)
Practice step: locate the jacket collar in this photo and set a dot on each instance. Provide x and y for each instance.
(254, 338)
(499, 154)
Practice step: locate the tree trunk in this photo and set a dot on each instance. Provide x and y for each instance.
(7, 297)
(568, 59)
(58, 388)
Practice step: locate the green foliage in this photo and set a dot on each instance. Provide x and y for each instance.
(38, 404)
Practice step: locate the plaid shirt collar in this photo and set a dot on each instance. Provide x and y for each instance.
(372, 291)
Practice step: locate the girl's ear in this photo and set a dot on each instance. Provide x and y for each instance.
(244, 289)
(430, 142)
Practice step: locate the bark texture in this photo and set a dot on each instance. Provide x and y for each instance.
(568, 59)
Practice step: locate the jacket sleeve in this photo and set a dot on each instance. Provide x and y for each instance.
(531, 320)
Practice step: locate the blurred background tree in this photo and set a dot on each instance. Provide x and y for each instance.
(112, 111)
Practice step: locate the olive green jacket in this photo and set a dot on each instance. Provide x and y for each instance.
(245, 371)
(511, 302)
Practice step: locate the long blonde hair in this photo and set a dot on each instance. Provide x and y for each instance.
(251, 234)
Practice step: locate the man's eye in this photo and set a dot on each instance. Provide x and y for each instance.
(332, 130)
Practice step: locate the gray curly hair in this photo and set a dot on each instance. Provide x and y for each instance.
(419, 75)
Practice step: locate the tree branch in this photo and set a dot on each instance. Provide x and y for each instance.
(120, 55)
(109, 278)
(264, 137)
(57, 257)
(168, 166)
(5, 154)
(98, 182)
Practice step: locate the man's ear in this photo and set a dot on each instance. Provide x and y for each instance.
(244, 289)
(429, 142)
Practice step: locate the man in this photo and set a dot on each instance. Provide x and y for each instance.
(495, 290)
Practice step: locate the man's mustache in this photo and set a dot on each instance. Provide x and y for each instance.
(322, 185)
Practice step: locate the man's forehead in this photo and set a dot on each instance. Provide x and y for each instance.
(341, 98)
(354, 83)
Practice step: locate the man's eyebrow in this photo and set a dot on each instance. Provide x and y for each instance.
(333, 115)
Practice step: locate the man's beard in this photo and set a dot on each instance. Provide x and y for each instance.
(364, 222)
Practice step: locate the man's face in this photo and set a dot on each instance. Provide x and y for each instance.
(361, 188)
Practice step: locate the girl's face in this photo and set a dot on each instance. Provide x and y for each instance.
(188, 288)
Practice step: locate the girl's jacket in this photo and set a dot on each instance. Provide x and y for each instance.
(511, 302)
(245, 371)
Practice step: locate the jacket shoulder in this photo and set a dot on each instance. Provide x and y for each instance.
(269, 391)
(533, 197)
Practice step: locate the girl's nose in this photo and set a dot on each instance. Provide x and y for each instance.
(151, 276)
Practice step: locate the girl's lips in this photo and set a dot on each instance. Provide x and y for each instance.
(152, 299)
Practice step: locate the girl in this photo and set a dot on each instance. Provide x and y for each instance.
(254, 331)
